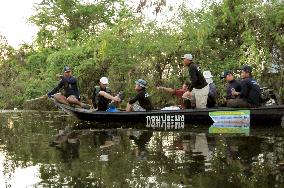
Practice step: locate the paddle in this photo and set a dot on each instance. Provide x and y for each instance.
(39, 98)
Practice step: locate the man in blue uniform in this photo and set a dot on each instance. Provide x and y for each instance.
(70, 93)
(249, 96)
(233, 85)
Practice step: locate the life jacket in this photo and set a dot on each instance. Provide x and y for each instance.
(96, 94)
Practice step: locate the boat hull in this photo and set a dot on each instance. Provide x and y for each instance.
(258, 116)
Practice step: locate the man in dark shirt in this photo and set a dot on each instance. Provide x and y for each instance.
(233, 85)
(142, 97)
(102, 95)
(199, 90)
(250, 93)
(70, 93)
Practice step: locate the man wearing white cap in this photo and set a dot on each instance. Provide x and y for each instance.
(102, 95)
(199, 90)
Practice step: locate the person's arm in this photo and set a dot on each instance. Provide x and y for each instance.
(169, 90)
(56, 89)
(108, 96)
(244, 90)
(132, 101)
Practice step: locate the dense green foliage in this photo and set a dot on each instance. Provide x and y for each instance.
(107, 38)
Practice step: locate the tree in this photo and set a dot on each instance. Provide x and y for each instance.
(5, 49)
(61, 23)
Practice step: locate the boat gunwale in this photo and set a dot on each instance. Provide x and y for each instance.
(153, 112)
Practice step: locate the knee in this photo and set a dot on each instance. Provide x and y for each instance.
(58, 96)
(231, 103)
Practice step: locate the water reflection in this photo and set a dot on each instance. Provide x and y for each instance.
(51, 150)
(230, 128)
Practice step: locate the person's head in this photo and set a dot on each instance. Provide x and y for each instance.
(140, 84)
(186, 85)
(103, 82)
(208, 76)
(187, 59)
(246, 72)
(67, 71)
(228, 75)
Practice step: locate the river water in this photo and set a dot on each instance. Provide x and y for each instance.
(34, 154)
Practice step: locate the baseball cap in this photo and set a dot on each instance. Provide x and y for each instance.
(207, 74)
(66, 69)
(141, 83)
(187, 56)
(104, 80)
(225, 73)
(247, 69)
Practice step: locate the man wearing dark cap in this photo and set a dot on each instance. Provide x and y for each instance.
(233, 85)
(142, 97)
(70, 93)
(249, 96)
(199, 89)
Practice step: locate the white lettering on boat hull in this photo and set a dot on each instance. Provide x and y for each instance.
(165, 121)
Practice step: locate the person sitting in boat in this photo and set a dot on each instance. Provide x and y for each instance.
(249, 96)
(185, 104)
(211, 100)
(233, 85)
(102, 95)
(142, 97)
(70, 93)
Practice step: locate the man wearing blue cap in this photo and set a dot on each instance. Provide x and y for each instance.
(233, 85)
(70, 93)
(199, 90)
(142, 97)
(249, 96)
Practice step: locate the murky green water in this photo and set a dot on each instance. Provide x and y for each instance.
(97, 155)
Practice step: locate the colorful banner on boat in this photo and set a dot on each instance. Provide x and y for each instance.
(230, 128)
(236, 116)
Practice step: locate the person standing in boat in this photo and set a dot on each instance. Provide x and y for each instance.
(212, 95)
(233, 85)
(199, 88)
(142, 97)
(102, 95)
(70, 93)
(185, 104)
(249, 96)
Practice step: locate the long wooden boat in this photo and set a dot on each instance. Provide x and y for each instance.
(268, 115)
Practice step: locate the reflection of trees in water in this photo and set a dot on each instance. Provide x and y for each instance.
(24, 137)
(242, 162)
(144, 158)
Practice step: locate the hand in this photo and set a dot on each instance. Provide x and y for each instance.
(159, 88)
(59, 76)
(234, 93)
(45, 96)
(187, 95)
(116, 99)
